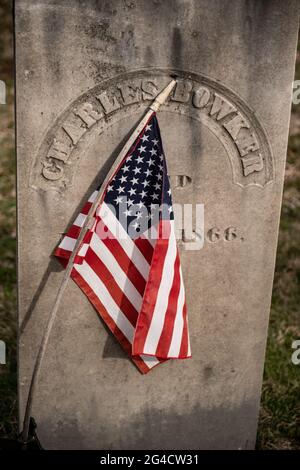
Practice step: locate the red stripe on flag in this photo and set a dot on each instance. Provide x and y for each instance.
(61, 253)
(73, 231)
(145, 248)
(86, 208)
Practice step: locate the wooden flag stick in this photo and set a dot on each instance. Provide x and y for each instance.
(159, 100)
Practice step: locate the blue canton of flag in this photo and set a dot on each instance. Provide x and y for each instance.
(140, 191)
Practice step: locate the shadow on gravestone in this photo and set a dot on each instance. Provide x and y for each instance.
(207, 424)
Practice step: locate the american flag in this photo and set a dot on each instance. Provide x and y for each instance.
(128, 264)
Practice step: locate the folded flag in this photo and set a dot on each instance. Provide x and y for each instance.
(128, 263)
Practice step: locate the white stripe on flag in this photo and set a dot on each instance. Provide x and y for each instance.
(67, 243)
(161, 305)
(105, 255)
(189, 353)
(174, 349)
(79, 221)
(150, 361)
(83, 249)
(93, 196)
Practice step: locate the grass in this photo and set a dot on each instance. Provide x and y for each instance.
(8, 320)
(279, 421)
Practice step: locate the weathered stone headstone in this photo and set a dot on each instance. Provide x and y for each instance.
(85, 72)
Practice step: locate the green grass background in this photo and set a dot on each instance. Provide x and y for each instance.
(279, 421)
(8, 315)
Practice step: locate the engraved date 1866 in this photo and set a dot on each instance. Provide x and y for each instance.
(229, 234)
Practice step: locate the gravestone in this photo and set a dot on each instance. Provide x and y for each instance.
(85, 73)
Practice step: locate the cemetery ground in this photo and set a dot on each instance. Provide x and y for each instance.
(279, 420)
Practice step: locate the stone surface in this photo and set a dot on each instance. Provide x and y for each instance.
(85, 71)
